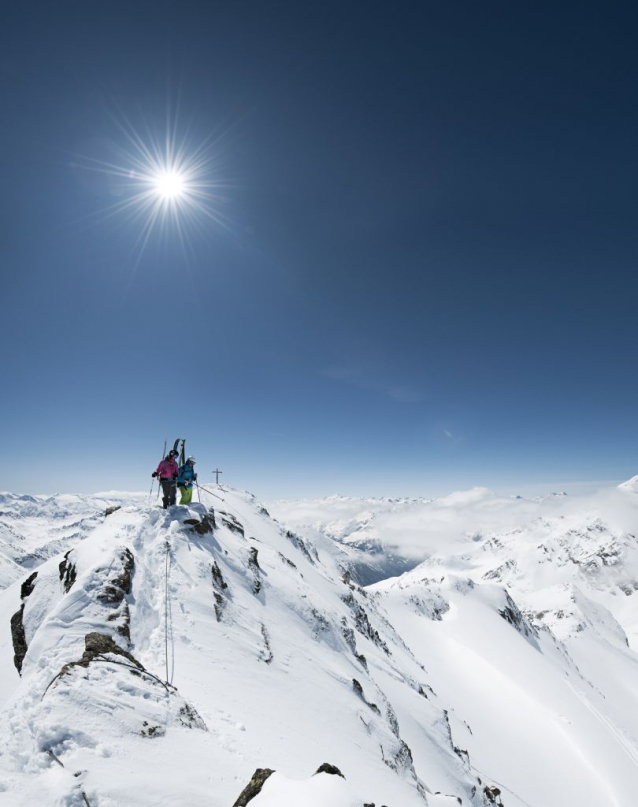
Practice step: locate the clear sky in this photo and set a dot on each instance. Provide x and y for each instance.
(427, 280)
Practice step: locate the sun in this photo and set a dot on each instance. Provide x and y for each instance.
(170, 185)
(166, 185)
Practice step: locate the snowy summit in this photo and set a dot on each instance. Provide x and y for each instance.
(209, 655)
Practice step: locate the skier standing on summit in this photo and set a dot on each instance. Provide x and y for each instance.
(185, 480)
(168, 471)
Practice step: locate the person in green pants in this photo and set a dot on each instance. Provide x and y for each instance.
(186, 479)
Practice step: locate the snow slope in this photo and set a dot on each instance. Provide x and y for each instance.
(165, 659)
(246, 649)
(553, 706)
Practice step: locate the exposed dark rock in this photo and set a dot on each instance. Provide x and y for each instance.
(232, 523)
(114, 591)
(348, 635)
(266, 654)
(286, 560)
(253, 788)
(97, 644)
(19, 639)
(493, 795)
(512, 614)
(401, 759)
(68, 572)
(328, 768)
(253, 565)
(152, 731)
(295, 540)
(189, 717)
(18, 636)
(362, 660)
(217, 576)
(219, 587)
(463, 755)
(204, 525)
(362, 623)
(120, 585)
(359, 690)
(433, 607)
(254, 552)
(392, 720)
(110, 510)
(27, 587)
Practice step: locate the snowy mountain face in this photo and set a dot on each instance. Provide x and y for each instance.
(361, 530)
(210, 655)
(34, 528)
(525, 614)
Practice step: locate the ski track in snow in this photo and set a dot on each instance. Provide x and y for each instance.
(619, 736)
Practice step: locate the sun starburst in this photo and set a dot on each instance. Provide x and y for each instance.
(167, 185)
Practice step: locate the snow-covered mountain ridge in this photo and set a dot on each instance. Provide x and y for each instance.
(165, 656)
(34, 528)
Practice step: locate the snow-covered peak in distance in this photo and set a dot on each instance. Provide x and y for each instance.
(33, 528)
(630, 485)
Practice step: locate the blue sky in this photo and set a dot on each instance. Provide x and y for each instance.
(427, 282)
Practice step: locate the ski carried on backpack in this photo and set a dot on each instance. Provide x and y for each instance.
(179, 450)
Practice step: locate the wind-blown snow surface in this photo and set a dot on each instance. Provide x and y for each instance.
(503, 662)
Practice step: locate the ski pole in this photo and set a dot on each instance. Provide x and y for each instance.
(210, 492)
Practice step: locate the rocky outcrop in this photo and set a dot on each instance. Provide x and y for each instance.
(253, 565)
(493, 795)
(100, 644)
(359, 690)
(362, 622)
(511, 613)
(204, 525)
(68, 572)
(116, 588)
(18, 636)
(219, 590)
(100, 647)
(326, 767)
(232, 523)
(266, 654)
(295, 540)
(349, 637)
(253, 788)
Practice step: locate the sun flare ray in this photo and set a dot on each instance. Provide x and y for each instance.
(164, 181)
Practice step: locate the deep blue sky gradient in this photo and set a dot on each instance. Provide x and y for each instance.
(429, 277)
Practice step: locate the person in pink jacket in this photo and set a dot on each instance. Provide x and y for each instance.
(168, 471)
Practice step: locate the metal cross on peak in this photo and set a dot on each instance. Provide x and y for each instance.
(217, 472)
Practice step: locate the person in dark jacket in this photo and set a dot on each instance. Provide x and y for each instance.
(168, 471)
(185, 480)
